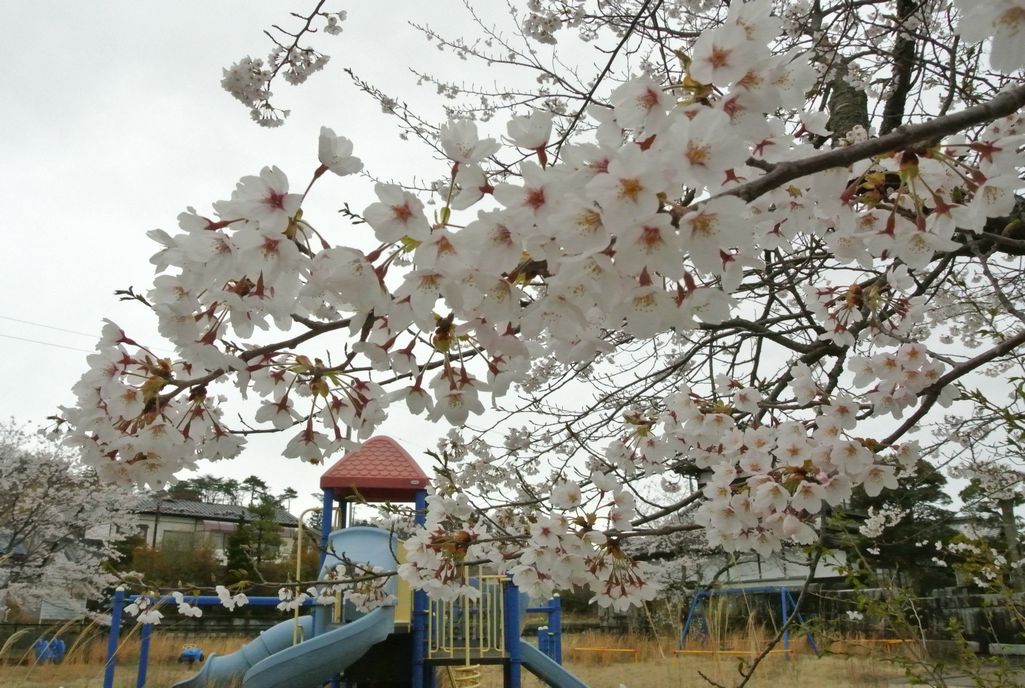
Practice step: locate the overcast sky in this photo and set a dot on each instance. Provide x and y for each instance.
(113, 121)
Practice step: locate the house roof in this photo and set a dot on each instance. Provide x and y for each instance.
(153, 504)
(381, 470)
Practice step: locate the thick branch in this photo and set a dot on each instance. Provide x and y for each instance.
(932, 392)
(1004, 104)
(903, 66)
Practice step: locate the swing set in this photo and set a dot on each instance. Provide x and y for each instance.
(787, 607)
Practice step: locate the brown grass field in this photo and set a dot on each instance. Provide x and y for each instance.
(652, 665)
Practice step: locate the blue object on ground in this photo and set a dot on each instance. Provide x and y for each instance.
(191, 655)
(49, 651)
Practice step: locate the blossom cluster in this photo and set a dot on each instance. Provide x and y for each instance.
(231, 601)
(579, 547)
(144, 609)
(249, 80)
(364, 586)
(880, 519)
(567, 258)
(293, 599)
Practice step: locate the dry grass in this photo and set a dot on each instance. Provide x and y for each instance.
(84, 665)
(654, 666)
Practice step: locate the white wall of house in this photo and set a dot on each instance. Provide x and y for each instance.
(754, 571)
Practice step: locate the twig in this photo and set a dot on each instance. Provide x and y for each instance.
(604, 72)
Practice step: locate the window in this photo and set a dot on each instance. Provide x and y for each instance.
(177, 540)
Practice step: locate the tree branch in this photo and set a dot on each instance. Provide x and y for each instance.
(1004, 104)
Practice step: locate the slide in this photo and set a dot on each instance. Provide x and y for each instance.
(547, 669)
(309, 663)
(222, 669)
(271, 660)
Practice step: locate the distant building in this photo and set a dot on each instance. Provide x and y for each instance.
(751, 570)
(180, 524)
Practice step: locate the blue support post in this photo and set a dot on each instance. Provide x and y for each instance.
(422, 674)
(783, 608)
(113, 638)
(513, 668)
(320, 620)
(544, 640)
(800, 618)
(140, 677)
(326, 518)
(555, 626)
(690, 615)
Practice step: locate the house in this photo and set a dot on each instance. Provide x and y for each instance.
(184, 525)
(781, 570)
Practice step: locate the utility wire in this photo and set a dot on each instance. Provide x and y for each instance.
(37, 341)
(94, 335)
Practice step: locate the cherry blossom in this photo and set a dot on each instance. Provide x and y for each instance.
(1004, 20)
(705, 275)
(335, 153)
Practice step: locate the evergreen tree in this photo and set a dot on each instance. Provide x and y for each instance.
(905, 550)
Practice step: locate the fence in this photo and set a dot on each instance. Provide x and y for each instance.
(983, 618)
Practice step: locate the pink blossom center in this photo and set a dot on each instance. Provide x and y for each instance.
(651, 238)
(536, 198)
(402, 213)
(1015, 15)
(719, 57)
(696, 153)
(275, 200)
(630, 188)
(649, 99)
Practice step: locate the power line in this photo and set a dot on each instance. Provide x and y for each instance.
(37, 341)
(94, 335)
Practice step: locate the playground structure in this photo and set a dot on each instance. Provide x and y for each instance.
(402, 644)
(787, 607)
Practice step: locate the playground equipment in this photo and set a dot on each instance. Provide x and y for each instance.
(787, 608)
(391, 646)
(191, 654)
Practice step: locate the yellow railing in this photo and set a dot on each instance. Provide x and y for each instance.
(297, 629)
(468, 627)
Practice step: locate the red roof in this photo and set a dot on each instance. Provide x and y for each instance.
(379, 471)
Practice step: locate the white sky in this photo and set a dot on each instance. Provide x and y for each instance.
(113, 121)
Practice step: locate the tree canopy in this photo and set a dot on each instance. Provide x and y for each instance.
(59, 523)
(761, 243)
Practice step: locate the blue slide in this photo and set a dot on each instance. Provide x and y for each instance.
(271, 660)
(546, 668)
(309, 663)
